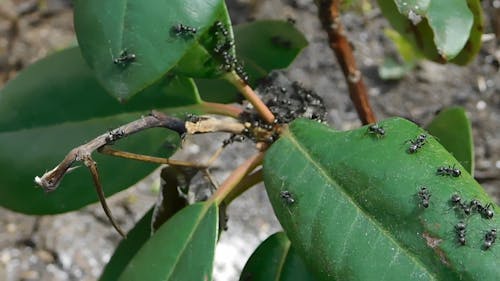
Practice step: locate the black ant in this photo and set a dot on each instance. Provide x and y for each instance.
(124, 58)
(417, 143)
(287, 197)
(183, 30)
(281, 42)
(449, 171)
(456, 200)
(485, 211)
(424, 195)
(114, 135)
(489, 238)
(460, 231)
(376, 130)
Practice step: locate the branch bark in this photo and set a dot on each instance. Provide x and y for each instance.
(51, 179)
(329, 14)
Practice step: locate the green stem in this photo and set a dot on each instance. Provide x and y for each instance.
(245, 184)
(251, 96)
(236, 176)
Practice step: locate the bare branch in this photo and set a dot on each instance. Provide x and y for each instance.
(151, 159)
(100, 193)
(51, 179)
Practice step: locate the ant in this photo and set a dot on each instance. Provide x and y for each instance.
(456, 200)
(114, 135)
(281, 42)
(424, 195)
(417, 143)
(449, 171)
(376, 130)
(183, 30)
(287, 197)
(489, 238)
(485, 211)
(460, 231)
(124, 58)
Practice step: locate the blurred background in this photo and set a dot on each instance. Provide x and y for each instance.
(76, 245)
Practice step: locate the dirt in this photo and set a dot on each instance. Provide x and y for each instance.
(76, 246)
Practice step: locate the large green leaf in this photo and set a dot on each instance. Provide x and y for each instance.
(182, 249)
(263, 46)
(452, 129)
(275, 260)
(127, 248)
(441, 29)
(105, 29)
(55, 105)
(350, 204)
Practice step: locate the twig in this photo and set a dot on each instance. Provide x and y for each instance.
(100, 193)
(251, 96)
(51, 179)
(151, 159)
(236, 176)
(247, 182)
(329, 14)
(207, 124)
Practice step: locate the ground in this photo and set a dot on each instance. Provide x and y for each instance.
(45, 248)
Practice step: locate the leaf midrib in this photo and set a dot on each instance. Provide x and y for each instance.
(323, 172)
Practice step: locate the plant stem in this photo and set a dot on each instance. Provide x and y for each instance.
(236, 176)
(150, 159)
(329, 14)
(221, 109)
(251, 96)
(247, 182)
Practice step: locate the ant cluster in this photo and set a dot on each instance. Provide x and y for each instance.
(223, 51)
(124, 59)
(417, 143)
(287, 103)
(449, 171)
(287, 197)
(181, 30)
(473, 206)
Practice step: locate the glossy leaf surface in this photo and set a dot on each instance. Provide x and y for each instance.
(130, 44)
(452, 129)
(127, 248)
(441, 30)
(276, 260)
(356, 212)
(55, 105)
(263, 46)
(182, 249)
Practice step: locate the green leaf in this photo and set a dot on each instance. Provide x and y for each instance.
(263, 46)
(182, 249)
(441, 29)
(144, 29)
(55, 105)
(127, 248)
(267, 45)
(356, 213)
(275, 259)
(452, 129)
(391, 69)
